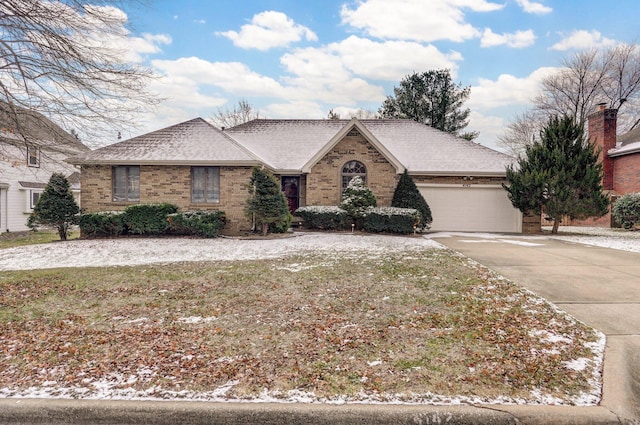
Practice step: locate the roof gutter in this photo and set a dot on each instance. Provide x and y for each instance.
(240, 163)
(458, 173)
(612, 153)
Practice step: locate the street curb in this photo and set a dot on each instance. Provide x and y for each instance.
(621, 377)
(57, 411)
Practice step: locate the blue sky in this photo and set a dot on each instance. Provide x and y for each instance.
(299, 59)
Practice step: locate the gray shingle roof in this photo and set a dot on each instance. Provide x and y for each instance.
(627, 143)
(289, 145)
(190, 142)
(19, 125)
(425, 150)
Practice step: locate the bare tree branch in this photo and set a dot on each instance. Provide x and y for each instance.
(241, 113)
(586, 79)
(66, 59)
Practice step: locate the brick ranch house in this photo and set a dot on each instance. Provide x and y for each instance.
(198, 167)
(620, 158)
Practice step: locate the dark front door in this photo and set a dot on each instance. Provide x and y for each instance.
(291, 189)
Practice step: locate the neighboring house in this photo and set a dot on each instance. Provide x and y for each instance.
(620, 157)
(197, 166)
(29, 155)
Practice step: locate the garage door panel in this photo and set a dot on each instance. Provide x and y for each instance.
(471, 209)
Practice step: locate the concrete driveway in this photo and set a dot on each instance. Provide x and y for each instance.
(598, 286)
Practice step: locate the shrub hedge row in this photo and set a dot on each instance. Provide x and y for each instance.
(323, 217)
(197, 223)
(151, 219)
(391, 219)
(375, 219)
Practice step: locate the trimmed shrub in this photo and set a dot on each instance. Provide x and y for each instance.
(56, 207)
(281, 226)
(626, 210)
(266, 204)
(407, 195)
(148, 219)
(357, 199)
(391, 219)
(324, 218)
(197, 223)
(101, 224)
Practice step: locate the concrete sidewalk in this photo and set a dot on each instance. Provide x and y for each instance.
(598, 286)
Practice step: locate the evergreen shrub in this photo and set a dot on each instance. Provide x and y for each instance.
(323, 217)
(55, 207)
(391, 219)
(407, 195)
(626, 210)
(266, 204)
(148, 219)
(196, 223)
(101, 224)
(357, 199)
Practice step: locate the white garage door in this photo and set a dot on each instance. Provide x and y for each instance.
(476, 208)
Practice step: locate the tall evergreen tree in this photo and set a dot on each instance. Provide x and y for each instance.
(407, 195)
(266, 204)
(430, 98)
(559, 174)
(56, 206)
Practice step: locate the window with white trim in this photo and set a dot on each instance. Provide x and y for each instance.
(33, 156)
(34, 195)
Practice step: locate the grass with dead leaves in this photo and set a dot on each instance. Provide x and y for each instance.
(11, 239)
(404, 326)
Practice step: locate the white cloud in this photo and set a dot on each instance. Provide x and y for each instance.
(267, 30)
(296, 109)
(138, 48)
(416, 20)
(582, 39)
(200, 21)
(233, 77)
(490, 128)
(518, 39)
(534, 7)
(391, 60)
(507, 90)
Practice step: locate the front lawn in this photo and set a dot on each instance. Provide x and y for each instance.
(12, 239)
(404, 326)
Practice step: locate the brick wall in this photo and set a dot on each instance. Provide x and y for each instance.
(627, 173)
(324, 182)
(602, 133)
(172, 184)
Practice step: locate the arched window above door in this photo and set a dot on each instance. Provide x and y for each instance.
(352, 169)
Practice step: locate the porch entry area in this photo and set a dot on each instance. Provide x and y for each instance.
(291, 189)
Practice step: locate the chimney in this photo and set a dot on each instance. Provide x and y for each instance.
(602, 133)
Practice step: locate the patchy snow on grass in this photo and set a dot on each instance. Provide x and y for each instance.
(138, 251)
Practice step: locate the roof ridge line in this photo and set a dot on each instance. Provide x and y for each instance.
(238, 144)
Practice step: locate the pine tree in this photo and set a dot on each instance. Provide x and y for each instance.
(407, 195)
(267, 205)
(433, 99)
(357, 199)
(55, 207)
(559, 174)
